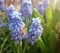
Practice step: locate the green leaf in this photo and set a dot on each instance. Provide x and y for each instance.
(49, 16)
(52, 41)
(41, 44)
(2, 46)
(45, 35)
(36, 14)
(56, 18)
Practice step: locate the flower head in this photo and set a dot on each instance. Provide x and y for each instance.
(12, 13)
(46, 3)
(10, 9)
(40, 8)
(2, 8)
(26, 8)
(15, 23)
(35, 31)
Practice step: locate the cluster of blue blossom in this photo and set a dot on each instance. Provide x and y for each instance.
(15, 23)
(42, 6)
(17, 26)
(2, 8)
(46, 3)
(26, 8)
(35, 31)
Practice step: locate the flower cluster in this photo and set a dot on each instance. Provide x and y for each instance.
(35, 31)
(17, 26)
(15, 23)
(2, 8)
(26, 8)
(12, 13)
(42, 6)
(46, 3)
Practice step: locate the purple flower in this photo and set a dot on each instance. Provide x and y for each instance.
(26, 8)
(15, 23)
(46, 3)
(12, 14)
(35, 31)
(40, 8)
(2, 8)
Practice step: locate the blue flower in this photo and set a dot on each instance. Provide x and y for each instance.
(41, 8)
(12, 14)
(35, 31)
(15, 23)
(2, 8)
(26, 8)
(46, 3)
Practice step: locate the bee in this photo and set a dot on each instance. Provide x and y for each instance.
(23, 30)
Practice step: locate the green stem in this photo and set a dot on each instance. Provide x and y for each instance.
(25, 47)
(19, 46)
(3, 45)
